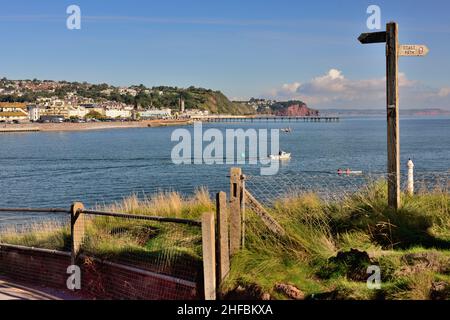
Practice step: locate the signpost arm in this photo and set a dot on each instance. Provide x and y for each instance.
(393, 136)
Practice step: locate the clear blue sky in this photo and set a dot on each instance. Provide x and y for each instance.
(244, 48)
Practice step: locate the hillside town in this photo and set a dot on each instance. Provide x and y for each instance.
(48, 101)
(51, 101)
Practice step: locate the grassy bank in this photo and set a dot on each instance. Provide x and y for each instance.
(324, 255)
(328, 248)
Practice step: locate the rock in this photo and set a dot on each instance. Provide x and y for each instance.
(341, 294)
(290, 291)
(440, 290)
(265, 296)
(297, 110)
(423, 261)
(247, 292)
(353, 262)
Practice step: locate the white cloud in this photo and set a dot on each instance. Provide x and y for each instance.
(291, 87)
(444, 92)
(333, 89)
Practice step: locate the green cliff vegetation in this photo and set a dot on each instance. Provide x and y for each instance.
(138, 95)
(195, 98)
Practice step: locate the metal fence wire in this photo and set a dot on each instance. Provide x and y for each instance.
(46, 229)
(167, 255)
(333, 187)
(121, 256)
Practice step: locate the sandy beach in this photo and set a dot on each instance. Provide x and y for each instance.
(69, 126)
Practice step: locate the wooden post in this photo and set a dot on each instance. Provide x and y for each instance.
(393, 136)
(77, 228)
(209, 255)
(223, 247)
(235, 210)
(243, 218)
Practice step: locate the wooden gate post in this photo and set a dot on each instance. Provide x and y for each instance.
(235, 210)
(209, 255)
(223, 248)
(77, 229)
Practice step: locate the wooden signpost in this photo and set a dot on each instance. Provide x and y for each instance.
(393, 52)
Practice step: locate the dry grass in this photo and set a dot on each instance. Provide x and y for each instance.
(165, 204)
(45, 234)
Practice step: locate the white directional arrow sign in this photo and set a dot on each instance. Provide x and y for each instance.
(413, 50)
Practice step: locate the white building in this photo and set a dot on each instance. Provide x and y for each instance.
(195, 113)
(34, 112)
(117, 113)
(13, 111)
(129, 91)
(155, 113)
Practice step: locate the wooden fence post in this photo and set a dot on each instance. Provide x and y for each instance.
(223, 248)
(235, 210)
(243, 217)
(209, 255)
(77, 228)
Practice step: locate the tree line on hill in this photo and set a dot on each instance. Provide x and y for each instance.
(156, 97)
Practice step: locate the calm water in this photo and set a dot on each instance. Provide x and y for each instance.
(54, 169)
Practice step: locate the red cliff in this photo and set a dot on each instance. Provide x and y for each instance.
(297, 110)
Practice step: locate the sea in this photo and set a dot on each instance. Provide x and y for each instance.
(54, 169)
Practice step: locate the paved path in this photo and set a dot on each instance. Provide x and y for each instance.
(12, 290)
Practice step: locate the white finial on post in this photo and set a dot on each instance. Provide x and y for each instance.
(410, 166)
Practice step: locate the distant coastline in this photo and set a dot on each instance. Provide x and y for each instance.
(432, 112)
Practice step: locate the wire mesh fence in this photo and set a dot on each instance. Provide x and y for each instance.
(35, 245)
(432, 182)
(43, 228)
(332, 187)
(165, 252)
(121, 256)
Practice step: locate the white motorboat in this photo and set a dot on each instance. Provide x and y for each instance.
(280, 156)
(349, 172)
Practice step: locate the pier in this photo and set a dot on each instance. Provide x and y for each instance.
(264, 118)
